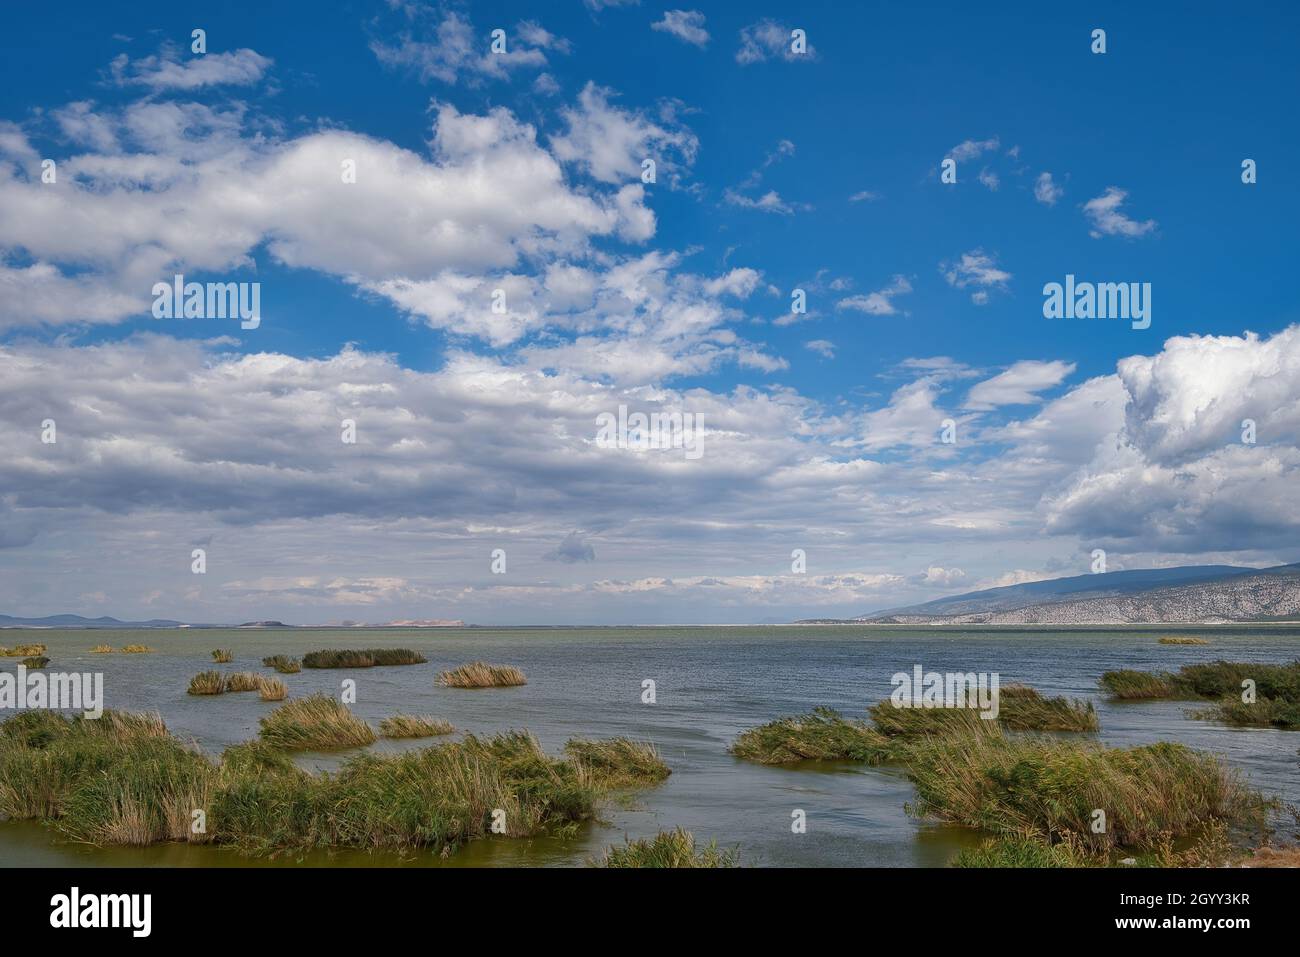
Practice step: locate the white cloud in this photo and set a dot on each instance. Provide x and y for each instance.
(1046, 191)
(685, 25)
(989, 179)
(865, 196)
(880, 302)
(452, 50)
(1019, 384)
(972, 149)
(823, 347)
(769, 40)
(1104, 213)
(167, 71)
(978, 269)
(610, 144)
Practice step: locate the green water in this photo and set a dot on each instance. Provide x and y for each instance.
(711, 683)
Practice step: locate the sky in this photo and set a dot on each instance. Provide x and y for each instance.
(835, 273)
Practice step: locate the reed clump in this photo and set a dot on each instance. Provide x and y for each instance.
(1019, 708)
(414, 726)
(675, 848)
(1175, 640)
(102, 650)
(618, 763)
(1048, 788)
(36, 661)
(315, 723)
(480, 674)
(136, 649)
(223, 657)
(207, 682)
(283, 664)
(822, 735)
(1276, 690)
(271, 689)
(121, 779)
(22, 651)
(243, 681)
(364, 658)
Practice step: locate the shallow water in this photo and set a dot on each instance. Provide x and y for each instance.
(711, 683)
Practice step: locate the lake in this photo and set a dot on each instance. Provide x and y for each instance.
(711, 683)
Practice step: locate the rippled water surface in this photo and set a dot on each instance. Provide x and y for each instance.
(712, 683)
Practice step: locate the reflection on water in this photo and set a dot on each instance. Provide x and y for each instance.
(712, 683)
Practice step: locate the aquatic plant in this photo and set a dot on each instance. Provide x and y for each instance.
(480, 674)
(283, 664)
(271, 689)
(102, 650)
(674, 848)
(1175, 640)
(136, 649)
(1129, 685)
(1020, 708)
(23, 651)
(315, 723)
(223, 657)
(1020, 852)
(1260, 713)
(243, 681)
(1037, 786)
(365, 658)
(822, 735)
(207, 682)
(616, 763)
(414, 726)
(36, 661)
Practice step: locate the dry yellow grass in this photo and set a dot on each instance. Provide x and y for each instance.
(414, 726)
(480, 674)
(102, 650)
(136, 649)
(22, 651)
(244, 681)
(271, 689)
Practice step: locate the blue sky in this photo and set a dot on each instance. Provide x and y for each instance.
(776, 172)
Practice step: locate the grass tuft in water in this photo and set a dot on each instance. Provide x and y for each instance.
(822, 735)
(283, 664)
(102, 650)
(207, 682)
(223, 657)
(480, 674)
(365, 658)
(271, 689)
(1175, 640)
(36, 661)
(315, 723)
(22, 651)
(1048, 788)
(618, 763)
(136, 649)
(414, 726)
(674, 848)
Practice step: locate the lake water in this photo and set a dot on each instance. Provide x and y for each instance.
(711, 683)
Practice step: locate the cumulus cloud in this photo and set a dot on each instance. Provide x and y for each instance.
(976, 269)
(823, 347)
(1046, 191)
(1178, 474)
(973, 149)
(1018, 385)
(880, 302)
(685, 25)
(486, 196)
(451, 50)
(610, 144)
(167, 71)
(1107, 219)
(769, 40)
